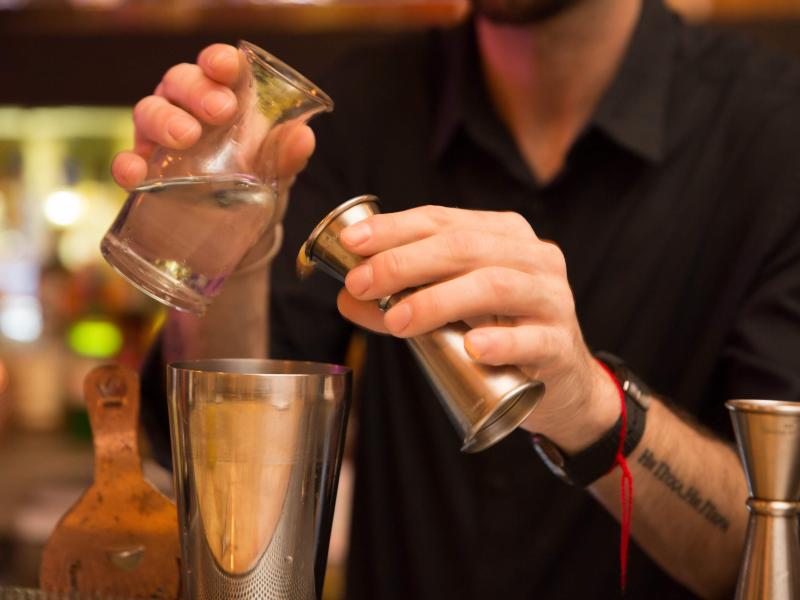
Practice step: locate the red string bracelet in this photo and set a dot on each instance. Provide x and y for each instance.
(626, 484)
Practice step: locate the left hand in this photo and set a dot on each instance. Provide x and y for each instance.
(492, 271)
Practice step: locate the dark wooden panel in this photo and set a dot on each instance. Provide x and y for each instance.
(117, 69)
(50, 65)
(784, 35)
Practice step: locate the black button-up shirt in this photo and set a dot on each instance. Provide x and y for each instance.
(678, 211)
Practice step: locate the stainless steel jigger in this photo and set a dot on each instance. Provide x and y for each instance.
(768, 436)
(485, 403)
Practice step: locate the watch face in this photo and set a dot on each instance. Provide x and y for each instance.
(630, 383)
(550, 455)
(637, 392)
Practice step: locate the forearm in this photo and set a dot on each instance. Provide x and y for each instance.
(235, 325)
(689, 510)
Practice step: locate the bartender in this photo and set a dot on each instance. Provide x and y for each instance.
(571, 177)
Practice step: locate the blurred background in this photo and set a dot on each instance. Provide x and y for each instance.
(71, 70)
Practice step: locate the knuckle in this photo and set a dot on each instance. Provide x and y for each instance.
(496, 282)
(388, 221)
(547, 345)
(177, 73)
(215, 51)
(430, 302)
(460, 244)
(208, 52)
(179, 79)
(144, 108)
(551, 309)
(561, 345)
(517, 223)
(553, 298)
(566, 305)
(510, 345)
(436, 214)
(556, 258)
(392, 264)
(505, 349)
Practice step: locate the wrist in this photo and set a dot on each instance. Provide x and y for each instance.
(595, 416)
(262, 254)
(584, 465)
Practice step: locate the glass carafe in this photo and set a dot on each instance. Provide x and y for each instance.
(185, 229)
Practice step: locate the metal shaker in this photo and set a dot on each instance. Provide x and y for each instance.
(256, 448)
(485, 403)
(768, 437)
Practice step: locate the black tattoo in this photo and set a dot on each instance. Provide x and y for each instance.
(691, 495)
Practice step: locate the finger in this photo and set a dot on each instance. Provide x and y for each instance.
(162, 123)
(220, 62)
(188, 86)
(363, 314)
(297, 148)
(488, 321)
(128, 169)
(529, 345)
(489, 291)
(443, 256)
(388, 230)
(142, 146)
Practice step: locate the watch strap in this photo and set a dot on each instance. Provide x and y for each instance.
(595, 461)
(591, 463)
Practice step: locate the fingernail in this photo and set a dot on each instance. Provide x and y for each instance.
(476, 344)
(357, 234)
(219, 58)
(179, 128)
(215, 59)
(359, 279)
(398, 318)
(131, 171)
(215, 103)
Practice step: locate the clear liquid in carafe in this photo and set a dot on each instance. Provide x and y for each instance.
(198, 224)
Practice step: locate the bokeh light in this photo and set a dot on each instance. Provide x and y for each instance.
(21, 318)
(95, 338)
(63, 207)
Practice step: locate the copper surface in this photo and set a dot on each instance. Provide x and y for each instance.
(121, 537)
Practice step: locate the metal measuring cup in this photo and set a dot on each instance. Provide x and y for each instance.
(485, 403)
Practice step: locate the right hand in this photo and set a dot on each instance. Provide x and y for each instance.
(191, 94)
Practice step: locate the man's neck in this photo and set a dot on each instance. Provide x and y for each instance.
(546, 79)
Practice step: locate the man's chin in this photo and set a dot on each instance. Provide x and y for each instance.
(519, 12)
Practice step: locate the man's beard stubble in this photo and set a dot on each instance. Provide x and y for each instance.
(519, 12)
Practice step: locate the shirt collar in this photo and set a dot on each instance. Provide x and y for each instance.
(458, 48)
(632, 112)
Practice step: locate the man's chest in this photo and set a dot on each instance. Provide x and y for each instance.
(653, 251)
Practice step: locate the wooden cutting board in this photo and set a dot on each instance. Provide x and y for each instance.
(121, 538)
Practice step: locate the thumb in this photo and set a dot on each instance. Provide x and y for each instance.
(297, 148)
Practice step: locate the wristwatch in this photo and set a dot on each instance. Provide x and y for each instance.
(590, 464)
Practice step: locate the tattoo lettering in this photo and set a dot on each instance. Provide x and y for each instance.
(691, 495)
